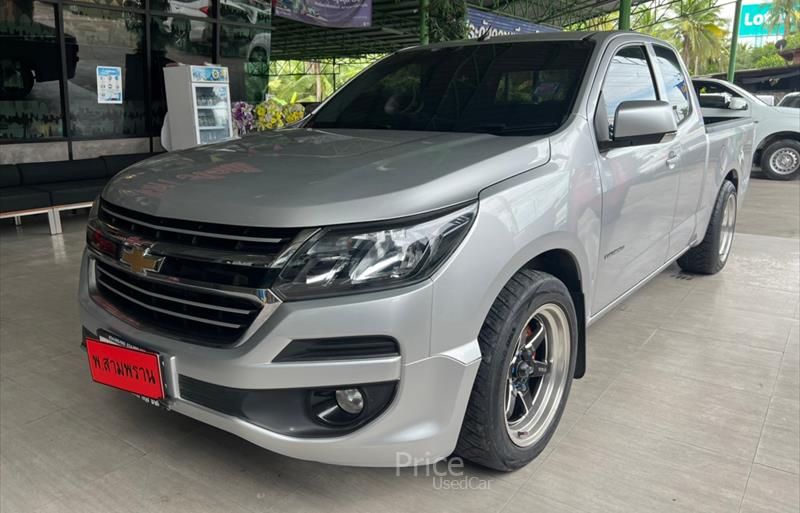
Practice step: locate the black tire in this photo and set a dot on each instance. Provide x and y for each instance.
(791, 151)
(484, 438)
(705, 258)
(11, 70)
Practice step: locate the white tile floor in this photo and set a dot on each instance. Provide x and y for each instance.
(691, 404)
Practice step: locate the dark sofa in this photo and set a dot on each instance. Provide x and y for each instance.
(49, 187)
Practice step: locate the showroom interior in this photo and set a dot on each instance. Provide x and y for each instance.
(690, 399)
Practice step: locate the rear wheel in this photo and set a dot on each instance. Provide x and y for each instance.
(781, 160)
(711, 255)
(528, 343)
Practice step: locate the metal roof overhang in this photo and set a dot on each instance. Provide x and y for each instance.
(395, 25)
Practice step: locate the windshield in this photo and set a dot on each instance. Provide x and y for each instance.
(522, 88)
(791, 101)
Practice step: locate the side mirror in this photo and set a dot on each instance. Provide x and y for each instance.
(642, 122)
(737, 104)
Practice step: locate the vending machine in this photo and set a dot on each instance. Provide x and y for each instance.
(198, 105)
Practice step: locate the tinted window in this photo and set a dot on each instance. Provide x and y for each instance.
(524, 88)
(713, 88)
(175, 40)
(628, 78)
(30, 68)
(245, 51)
(106, 38)
(792, 101)
(674, 82)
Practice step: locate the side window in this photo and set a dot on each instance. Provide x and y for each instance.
(674, 81)
(628, 78)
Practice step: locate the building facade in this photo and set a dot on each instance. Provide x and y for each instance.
(51, 106)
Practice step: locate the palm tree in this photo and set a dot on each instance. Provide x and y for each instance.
(699, 31)
(647, 19)
(786, 12)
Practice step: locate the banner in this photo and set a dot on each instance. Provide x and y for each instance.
(327, 13)
(499, 25)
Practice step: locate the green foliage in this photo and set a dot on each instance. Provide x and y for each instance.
(299, 78)
(447, 20)
(770, 61)
(699, 31)
(785, 13)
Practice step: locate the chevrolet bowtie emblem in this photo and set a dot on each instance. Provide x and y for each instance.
(140, 261)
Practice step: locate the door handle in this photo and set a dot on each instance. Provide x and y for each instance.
(672, 159)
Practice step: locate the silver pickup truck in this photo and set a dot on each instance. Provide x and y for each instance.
(412, 270)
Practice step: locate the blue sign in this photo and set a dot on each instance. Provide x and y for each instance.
(209, 74)
(109, 84)
(755, 21)
(498, 25)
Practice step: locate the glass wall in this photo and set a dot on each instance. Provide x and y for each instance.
(51, 52)
(106, 38)
(30, 69)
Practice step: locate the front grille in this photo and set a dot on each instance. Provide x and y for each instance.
(199, 316)
(213, 236)
(213, 281)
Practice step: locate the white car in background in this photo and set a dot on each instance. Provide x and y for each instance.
(791, 100)
(777, 139)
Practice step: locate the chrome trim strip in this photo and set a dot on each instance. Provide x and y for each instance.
(289, 251)
(259, 296)
(177, 300)
(167, 312)
(269, 304)
(212, 235)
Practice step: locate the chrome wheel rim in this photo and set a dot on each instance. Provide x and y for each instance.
(785, 161)
(727, 228)
(537, 375)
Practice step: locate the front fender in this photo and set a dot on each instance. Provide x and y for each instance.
(543, 209)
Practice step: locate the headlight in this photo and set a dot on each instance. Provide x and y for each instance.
(356, 258)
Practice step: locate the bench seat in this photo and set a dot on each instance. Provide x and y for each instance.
(13, 199)
(67, 193)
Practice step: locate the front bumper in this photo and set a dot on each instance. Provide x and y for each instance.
(421, 424)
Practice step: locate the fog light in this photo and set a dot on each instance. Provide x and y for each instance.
(350, 400)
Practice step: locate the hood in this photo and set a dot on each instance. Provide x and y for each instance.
(308, 177)
(787, 111)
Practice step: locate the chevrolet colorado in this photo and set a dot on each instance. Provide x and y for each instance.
(411, 270)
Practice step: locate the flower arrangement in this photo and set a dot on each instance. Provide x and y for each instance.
(243, 120)
(270, 114)
(293, 112)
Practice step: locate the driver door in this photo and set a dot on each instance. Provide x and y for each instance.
(639, 183)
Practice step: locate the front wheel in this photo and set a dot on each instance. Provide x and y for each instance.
(528, 345)
(781, 160)
(711, 255)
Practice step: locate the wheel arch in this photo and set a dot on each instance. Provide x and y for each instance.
(771, 138)
(563, 264)
(733, 177)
